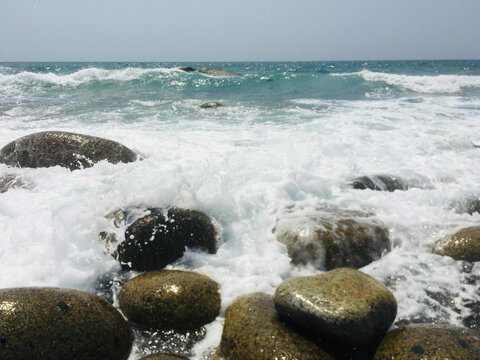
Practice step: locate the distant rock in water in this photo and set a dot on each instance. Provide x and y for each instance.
(186, 68)
(332, 238)
(379, 182)
(57, 148)
(211, 104)
(55, 323)
(218, 72)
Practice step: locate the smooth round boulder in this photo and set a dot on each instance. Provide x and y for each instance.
(343, 305)
(160, 237)
(252, 331)
(58, 148)
(218, 72)
(463, 245)
(379, 183)
(162, 356)
(170, 299)
(332, 238)
(429, 341)
(211, 105)
(55, 323)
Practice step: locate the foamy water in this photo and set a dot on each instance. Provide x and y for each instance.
(243, 165)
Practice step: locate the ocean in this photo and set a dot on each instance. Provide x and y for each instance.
(289, 135)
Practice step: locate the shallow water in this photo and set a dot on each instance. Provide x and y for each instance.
(288, 135)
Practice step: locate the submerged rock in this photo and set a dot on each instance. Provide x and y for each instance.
(343, 305)
(211, 104)
(380, 183)
(158, 239)
(473, 206)
(170, 299)
(429, 341)
(186, 68)
(218, 72)
(70, 150)
(13, 181)
(464, 245)
(163, 356)
(252, 331)
(54, 323)
(332, 238)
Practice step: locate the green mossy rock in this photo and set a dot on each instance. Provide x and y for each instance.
(464, 245)
(163, 357)
(54, 323)
(429, 342)
(70, 150)
(332, 238)
(170, 299)
(343, 305)
(252, 331)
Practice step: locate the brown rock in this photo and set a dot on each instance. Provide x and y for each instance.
(464, 245)
(163, 357)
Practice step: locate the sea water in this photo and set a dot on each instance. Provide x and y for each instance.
(288, 135)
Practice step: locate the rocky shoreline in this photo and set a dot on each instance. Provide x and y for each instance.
(341, 313)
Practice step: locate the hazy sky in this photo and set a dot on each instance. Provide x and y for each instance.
(242, 30)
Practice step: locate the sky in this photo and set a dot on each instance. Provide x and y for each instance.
(242, 30)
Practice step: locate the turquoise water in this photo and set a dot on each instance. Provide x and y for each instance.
(290, 135)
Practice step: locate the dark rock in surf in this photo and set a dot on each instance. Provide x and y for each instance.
(210, 105)
(163, 356)
(159, 238)
(170, 299)
(429, 341)
(54, 323)
(473, 206)
(379, 182)
(463, 245)
(186, 68)
(332, 238)
(343, 305)
(253, 331)
(13, 181)
(70, 150)
(218, 72)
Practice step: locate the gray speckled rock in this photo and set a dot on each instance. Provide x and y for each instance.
(429, 341)
(380, 183)
(218, 72)
(54, 323)
(162, 356)
(210, 105)
(332, 238)
(73, 151)
(252, 331)
(170, 299)
(159, 238)
(463, 245)
(343, 304)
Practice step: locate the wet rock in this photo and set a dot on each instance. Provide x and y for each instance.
(218, 72)
(73, 151)
(163, 357)
(13, 181)
(343, 305)
(252, 331)
(331, 238)
(170, 299)
(159, 238)
(464, 245)
(472, 321)
(379, 182)
(210, 105)
(473, 206)
(54, 323)
(429, 341)
(186, 68)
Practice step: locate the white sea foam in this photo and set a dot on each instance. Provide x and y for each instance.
(439, 84)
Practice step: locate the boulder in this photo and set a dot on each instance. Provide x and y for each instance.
(463, 245)
(162, 356)
(252, 331)
(218, 72)
(343, 305)
(159, 238)
(54, 323)
(170, 299)
(331, 238)
(73, 151)
(210, 105)
(379, 182)
(13, 181)
(186, 68)
(429, 341)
